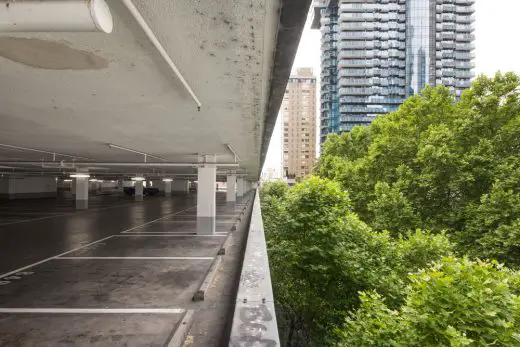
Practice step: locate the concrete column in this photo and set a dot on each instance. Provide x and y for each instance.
(180, 187)
(138, 190)
(206, 203)
(240, 187)
(167, 188)
(81, 187)
(120, 187)
(231, 195)
(73, 187)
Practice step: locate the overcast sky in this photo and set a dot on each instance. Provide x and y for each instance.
(497, 30)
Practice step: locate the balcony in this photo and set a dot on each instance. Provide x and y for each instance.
(465, 9)
(464, 47)
(465, 65)
(352, 63)
(447, 8)
(360, 54)
(446, 17)
(353, 72)
(445, 26)
(464, 28)
(464, 37)
(355, 91)
(465, 19)
(360, 109)
(464, 74)
(356, 17)
(353, 26)
(464, 56)
(463, 84)
(345, 82)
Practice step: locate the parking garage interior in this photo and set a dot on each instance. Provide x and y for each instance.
(132, 136)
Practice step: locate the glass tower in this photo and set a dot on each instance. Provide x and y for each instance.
(375, 53)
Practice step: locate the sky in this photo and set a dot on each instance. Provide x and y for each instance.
(497, 37)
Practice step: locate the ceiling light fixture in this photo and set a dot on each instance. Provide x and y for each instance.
(79, 175)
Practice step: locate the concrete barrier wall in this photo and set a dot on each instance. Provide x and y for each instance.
(4, 188)
(254, 321)
(31, 187)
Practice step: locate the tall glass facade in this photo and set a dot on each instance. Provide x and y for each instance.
(377, 52)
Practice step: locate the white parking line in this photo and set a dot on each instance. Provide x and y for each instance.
(168, 234)
(54, 257)
(67, 214)
(135, 258)
(194, 221)
(155, 220)
(218, 215)
(94, 310)
(163, 232)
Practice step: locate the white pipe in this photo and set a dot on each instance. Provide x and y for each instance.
(237, 158)
(114, 164)
(142, 23)
(50, 16)
(54, 154)
(111, 145)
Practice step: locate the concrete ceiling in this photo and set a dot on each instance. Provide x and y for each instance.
(75, 92)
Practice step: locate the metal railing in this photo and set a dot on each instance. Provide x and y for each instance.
(254, 321)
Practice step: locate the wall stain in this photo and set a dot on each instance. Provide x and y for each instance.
(49, 55)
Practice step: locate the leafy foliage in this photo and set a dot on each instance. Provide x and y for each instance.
(321, 255)
(456, 302)
(363, 254)
(439, 165)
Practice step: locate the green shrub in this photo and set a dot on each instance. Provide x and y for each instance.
(321, 255)
(439, 165)
(456, 302)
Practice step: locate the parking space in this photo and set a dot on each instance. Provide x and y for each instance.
(159, 246)
(87, 329)
(124, 274)
(21, 211)
(154, 282)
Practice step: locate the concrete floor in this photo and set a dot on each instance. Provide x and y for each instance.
(122, 273)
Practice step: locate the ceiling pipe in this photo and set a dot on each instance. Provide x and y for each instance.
(55, 16)
(146, 155)
(54, 154)
(115, 164)
(148, 31)
(232, 150)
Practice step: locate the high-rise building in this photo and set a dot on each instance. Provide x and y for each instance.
(376, 53)
(299, 124)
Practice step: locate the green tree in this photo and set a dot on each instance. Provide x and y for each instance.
(321, 255)
(456, 302)
(439, 164)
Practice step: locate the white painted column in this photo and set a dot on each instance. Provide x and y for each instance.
(138, 190)
(120, 187)
(81, 190)
(231, 195)
(167, 188)
(240, 187)
(206, 197)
